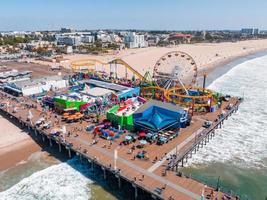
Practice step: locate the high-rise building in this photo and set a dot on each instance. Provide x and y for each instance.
(132, 40)
(247, 31)
(69, 40)
(256, 31)
(66, 30)
(88, 39)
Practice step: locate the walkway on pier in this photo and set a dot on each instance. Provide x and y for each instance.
(175, 150)
(141, 170)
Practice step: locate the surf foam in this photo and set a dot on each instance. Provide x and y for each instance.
(242, 140)
(65, 181)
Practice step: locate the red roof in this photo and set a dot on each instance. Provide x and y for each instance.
(180, 35)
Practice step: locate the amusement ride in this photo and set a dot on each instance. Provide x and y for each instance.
(173, 80)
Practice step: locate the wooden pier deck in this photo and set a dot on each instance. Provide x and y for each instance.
(143, 176)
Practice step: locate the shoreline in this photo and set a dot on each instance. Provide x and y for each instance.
(210, 68)
(19, 154)
(32, 146)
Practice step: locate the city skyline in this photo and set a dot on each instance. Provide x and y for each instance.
(143, 15)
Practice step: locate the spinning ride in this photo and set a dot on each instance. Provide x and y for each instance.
(174, 78)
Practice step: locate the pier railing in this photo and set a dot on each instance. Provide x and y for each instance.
(200, 139)
(212, 181)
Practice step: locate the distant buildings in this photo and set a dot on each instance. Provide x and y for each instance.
(256, 31)
(132, 40)
(153, 40)
(180, 38)
(250, 31)
(69, 40)
(11, 75)
(247, 31)
(66, 30)
(38, 44)
(74, 38)
(88, 39)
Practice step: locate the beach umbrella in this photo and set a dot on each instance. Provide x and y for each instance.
(142, 134)
(128, 137)
(143, 142)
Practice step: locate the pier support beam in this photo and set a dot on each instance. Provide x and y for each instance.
(50, 142)
(69, 153)
(35, 131)
(43, 138)
(59, 147)
(119, 180)
(104, 173)
(135, 191)
(93, 167)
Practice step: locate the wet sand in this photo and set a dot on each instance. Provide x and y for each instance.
(15, 145)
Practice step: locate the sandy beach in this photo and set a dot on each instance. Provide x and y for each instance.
(206, 55)
(15, 145)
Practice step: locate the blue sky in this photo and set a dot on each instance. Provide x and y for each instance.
(134, 14)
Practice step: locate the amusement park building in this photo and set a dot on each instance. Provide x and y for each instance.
(123, 114)
(35, 86)
(156, 116)
(120, 91)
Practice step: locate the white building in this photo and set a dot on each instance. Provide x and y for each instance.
(8, 76)
(132, 40)
(69, 40)
(35, 86)
(88, 39)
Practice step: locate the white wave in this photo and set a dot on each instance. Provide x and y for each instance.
(243, 138)
(58, 182)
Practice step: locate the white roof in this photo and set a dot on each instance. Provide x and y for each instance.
(98, 92)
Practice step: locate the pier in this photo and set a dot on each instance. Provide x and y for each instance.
(141, 179)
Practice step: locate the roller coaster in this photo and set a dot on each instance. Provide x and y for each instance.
(173, 79)
(91, 64)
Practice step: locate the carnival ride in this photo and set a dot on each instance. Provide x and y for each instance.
(175, 68)
(98, 66)
(173, 79)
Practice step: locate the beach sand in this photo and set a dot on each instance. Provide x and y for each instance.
(15, 145)
(206, 55)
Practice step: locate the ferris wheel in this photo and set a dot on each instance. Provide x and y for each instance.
(174, 69)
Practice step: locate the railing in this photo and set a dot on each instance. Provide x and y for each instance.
(200, 138)
(212, 181)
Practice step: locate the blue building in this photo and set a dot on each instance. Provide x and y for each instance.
(157, 116)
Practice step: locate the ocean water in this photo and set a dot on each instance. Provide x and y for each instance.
(46, 178)
(65, 181)
(238, 153)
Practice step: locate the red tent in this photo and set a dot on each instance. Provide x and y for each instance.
(142, 134)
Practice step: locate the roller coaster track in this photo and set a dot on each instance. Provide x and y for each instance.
(92, 61)
(122, 62)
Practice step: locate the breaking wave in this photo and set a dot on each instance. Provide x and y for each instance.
(243, 139)
(65, 181)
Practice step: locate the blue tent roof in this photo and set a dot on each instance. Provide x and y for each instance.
(157, 116)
